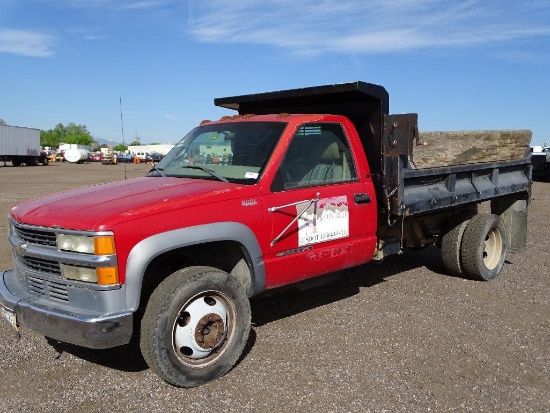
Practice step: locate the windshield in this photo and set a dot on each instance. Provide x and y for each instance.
(234, 152)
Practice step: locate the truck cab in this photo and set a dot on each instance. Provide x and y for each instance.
(314, 195)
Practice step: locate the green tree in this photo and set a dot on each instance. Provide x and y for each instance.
(77, 134)
(49, 138)
(135, 143)
(71, 133)
(2, 122)
(59, 129)
(120, 148)
(74, 129)
(81, 139)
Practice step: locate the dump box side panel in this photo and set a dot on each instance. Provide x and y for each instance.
(430, 190)
(431, 171)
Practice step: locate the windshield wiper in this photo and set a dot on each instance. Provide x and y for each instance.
(159, 170)
(209, 171)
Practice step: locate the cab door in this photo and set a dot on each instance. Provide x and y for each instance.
(319, 212)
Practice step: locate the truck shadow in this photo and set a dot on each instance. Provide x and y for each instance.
(126, 358)
(292, 301)
(279, 305)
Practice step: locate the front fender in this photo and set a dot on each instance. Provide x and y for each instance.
(146, 250)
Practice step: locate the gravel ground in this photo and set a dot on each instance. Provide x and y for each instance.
(396, 337)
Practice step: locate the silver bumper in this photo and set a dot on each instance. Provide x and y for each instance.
(85, 329)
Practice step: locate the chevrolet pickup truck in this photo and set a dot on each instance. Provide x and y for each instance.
(298, 184)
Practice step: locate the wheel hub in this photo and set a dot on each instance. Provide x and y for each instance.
(200, 327)
(492, 248)
(210, 330)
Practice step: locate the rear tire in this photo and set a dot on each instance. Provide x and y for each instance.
(195, 326)
(450, 248)
(484, 246)
(31, 161)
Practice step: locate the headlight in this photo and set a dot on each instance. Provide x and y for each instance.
(93, 245)
(100, 275)
(98, 245)
(75, 243)
(79, 273)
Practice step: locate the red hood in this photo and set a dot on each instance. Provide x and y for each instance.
(95, 207)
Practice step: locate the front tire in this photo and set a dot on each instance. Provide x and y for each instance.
(484, 246)
(195, 326)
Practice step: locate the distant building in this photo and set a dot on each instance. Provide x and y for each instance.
(163, 149)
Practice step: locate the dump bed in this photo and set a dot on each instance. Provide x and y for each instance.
(414, 172)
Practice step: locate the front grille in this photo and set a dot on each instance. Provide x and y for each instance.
(41, 282)
(42, 265)
(54, 290)
(36, 236)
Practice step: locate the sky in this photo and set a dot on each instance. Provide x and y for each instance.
(473, 64)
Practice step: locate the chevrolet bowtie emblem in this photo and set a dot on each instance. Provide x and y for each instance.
(21, 250)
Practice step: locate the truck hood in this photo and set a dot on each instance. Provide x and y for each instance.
(93, 207)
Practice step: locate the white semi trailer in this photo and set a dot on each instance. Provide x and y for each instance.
(20, 145)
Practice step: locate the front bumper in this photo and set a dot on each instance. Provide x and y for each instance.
(86, 328)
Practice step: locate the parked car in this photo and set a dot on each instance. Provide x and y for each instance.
(125, 158)
(144, 156)
(156, 157)
(96, 157)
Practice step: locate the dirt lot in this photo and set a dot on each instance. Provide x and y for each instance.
(397, 337)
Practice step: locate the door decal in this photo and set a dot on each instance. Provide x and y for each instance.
(324, 220)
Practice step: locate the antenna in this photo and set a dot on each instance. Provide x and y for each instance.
(122, 126)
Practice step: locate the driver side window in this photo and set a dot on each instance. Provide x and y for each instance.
(318, 154)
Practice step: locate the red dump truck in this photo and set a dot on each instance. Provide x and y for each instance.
(298, 184)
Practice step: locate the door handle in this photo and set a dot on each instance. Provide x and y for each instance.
(362, 198)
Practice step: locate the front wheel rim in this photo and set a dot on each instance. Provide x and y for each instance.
(202, 328)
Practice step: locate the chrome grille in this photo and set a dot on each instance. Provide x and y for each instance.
(42, 265)
(36, 236)
(54, 290)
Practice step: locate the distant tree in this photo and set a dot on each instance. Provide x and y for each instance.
(2, 122)
(135, 143)
(59, 130)
(49, 138)
(120, 148)
(77, 134)
(74, 129)
(71, 133)
(79, 139)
